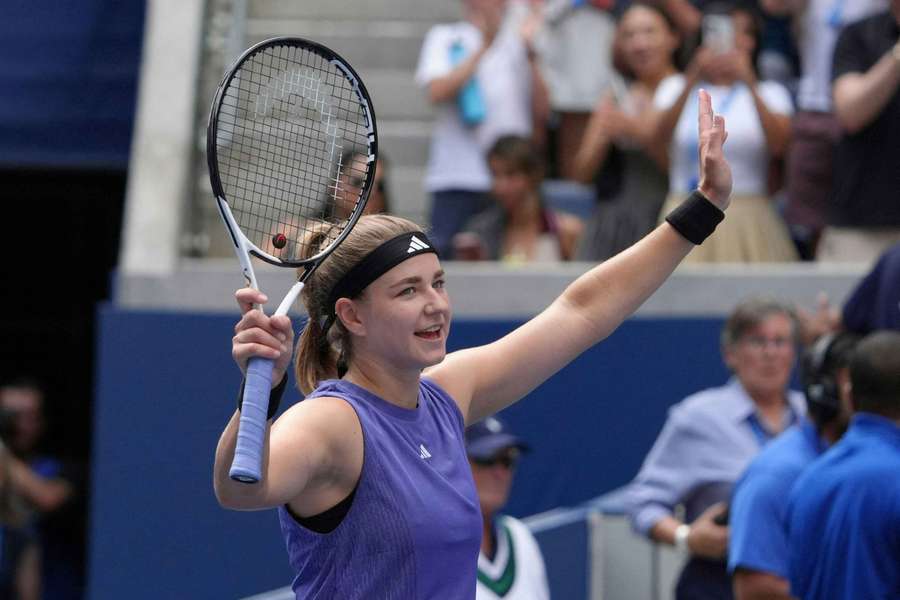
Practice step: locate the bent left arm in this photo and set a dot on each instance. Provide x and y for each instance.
(484, 380)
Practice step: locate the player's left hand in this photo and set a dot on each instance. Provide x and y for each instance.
(715, 172)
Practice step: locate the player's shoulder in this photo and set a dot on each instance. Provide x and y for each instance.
(332, 412)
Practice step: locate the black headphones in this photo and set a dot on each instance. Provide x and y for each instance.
(821, 388)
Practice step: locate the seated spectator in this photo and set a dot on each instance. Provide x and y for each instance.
(814, 129)
(843, 512)
(864, 216)
(484, 82)
(510, 564)
(708, 440)
(518, 227)
(757, 114)
(646, 41)
(351, 180)
(758, 544)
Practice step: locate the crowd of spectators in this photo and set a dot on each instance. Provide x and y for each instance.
(810, 90)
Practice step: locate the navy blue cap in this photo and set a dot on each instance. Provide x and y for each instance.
(486, 438)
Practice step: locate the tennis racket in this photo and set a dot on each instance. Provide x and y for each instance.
(285, 118)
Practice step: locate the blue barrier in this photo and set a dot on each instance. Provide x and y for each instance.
(166, 385)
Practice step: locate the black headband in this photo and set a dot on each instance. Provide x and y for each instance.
(376, 263)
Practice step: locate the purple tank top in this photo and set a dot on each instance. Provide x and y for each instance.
(414, 528)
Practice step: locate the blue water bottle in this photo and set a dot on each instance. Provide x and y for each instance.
(470, 101)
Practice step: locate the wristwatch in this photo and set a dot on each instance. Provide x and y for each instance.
(681, 537)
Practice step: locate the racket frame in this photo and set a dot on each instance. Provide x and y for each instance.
(252, 425)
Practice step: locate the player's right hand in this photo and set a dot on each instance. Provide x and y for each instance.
(258, 334)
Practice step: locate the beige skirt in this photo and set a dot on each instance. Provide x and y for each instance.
(751, 232)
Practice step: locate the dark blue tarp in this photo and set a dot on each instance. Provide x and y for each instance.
(68, 80)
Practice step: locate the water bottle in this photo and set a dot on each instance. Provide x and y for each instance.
(470, 101)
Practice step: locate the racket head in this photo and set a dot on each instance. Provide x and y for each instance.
(292, 145)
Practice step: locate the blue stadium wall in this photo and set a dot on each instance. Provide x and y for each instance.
(166, 386)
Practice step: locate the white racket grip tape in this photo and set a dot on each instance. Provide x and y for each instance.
(247, 464)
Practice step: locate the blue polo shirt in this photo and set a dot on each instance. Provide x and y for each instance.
(758, 535)
(844, 517)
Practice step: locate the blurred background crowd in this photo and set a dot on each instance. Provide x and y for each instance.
(531, 96)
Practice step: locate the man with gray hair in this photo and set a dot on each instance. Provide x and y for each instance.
(708, 440)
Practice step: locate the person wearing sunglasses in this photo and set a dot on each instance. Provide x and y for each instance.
(510, 564)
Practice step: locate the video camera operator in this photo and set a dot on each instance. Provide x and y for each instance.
(47, 490)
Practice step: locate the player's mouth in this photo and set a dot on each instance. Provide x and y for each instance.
(431, 333)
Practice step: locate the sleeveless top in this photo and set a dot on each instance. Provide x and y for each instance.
(413, 530)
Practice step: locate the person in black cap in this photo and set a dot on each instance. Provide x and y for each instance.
(510, 565)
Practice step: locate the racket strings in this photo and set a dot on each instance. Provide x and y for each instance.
(292, 147)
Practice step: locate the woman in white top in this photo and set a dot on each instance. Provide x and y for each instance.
(758, 114)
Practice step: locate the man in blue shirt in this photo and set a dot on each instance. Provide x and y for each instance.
(709, 439)
(758, 546)
(844, 511)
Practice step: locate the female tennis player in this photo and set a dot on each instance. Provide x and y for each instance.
(369, 472)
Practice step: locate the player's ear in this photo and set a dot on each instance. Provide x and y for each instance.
(348, 312)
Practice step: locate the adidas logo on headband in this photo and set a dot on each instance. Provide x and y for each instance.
(415, 244)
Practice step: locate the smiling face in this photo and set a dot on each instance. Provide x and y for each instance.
(404, 315)
(647, 42)
(763, 357)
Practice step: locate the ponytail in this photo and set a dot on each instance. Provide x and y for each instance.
(315, 359)
(321, 354)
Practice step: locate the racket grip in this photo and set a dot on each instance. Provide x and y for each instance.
(247, 464)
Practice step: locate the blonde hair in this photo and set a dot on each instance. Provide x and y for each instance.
(319, 356)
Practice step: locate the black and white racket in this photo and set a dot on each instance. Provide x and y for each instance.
(285, 118)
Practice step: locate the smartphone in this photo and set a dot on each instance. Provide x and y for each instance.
(718, 33)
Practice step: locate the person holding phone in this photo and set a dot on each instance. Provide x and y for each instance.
(725, 64)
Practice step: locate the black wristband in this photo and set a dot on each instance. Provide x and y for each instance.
(274, 396)
(695, 218)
